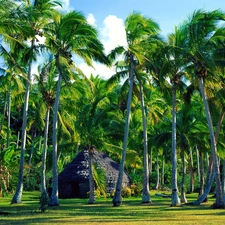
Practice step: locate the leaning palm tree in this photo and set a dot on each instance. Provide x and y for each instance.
(69, 34)
(138, 29)
(202, 34)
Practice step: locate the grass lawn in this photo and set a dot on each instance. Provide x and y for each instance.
(132, 211)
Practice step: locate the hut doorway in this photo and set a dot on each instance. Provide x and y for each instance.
(75, 189)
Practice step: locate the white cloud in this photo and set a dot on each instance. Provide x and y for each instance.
(99, 69)
(91, 19)
(111, 34)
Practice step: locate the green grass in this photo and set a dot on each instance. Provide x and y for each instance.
(132, 211)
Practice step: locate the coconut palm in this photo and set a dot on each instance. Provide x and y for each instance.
(47, 85)
(173, 68)
(138, 29)
(201, 36)
(36, 15)
(81, 40)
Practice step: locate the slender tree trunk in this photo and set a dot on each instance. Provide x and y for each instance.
(175, 197)
(54, 200)
(9, 114)
(206, 161)
(117, 199)
(145, 193)
(163, 170)
(202, 181)
(91, 179)
(223, 177)
(44, 193)
(156, 187)
(183, 196)
(18, 139)
(191, 171)
(31, 153)
(150, 162)
(17, 198)
(219, 192)
(3, 113)
(197, 160)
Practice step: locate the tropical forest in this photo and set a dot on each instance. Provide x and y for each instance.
(159, 119)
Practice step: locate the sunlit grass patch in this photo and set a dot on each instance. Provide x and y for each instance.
(132, 211)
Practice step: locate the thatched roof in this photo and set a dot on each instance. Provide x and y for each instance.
(77, 170)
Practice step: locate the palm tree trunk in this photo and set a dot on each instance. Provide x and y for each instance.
(219, 192)
(117, 199)
(156, 187)
(202, 181)
(197, 160)
(44, 193)
(163, 170)
(91, 179)
(175, 197)
(17, 198)
(183, 196)
(223, 177)
(150, 162)
(145, 192)
(3, 113)
(54, 200)
(9, 115)
(191, 171)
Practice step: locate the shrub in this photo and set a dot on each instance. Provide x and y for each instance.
(126, 192)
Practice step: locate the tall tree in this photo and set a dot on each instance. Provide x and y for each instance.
(201, 37)
(37, 15)
(137, 28)
(81, 40)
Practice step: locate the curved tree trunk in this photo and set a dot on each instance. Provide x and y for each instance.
(219, 192)
(54, 200)
(145, 192)
(210, 170)
(90, 178)
(117, 199)
(175, 197)
(17, 198)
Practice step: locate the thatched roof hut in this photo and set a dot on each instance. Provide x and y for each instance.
(73, 180)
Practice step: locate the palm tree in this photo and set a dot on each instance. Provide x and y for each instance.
(138, 29)
(201, 36)
(38, 14)
(174, 68)
(47, 84)
(81, 40)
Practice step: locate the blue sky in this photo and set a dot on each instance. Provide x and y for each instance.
(108, 17)
(166, 12)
